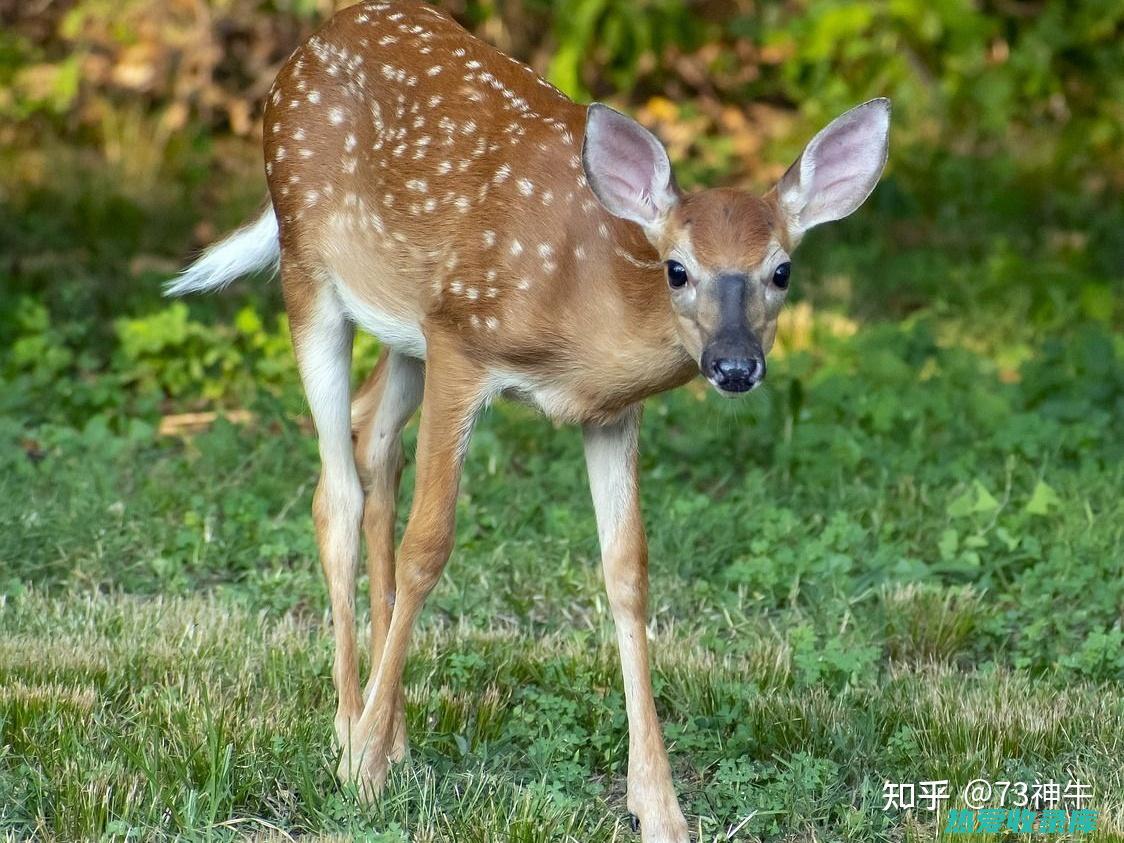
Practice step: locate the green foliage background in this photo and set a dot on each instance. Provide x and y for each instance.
(903, 560)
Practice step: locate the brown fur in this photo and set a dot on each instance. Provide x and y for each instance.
(729, 229)
(428, 185)
(568, 328)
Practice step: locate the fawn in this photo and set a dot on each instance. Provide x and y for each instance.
(500, 239)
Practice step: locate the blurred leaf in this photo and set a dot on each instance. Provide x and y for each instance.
(1042, 500)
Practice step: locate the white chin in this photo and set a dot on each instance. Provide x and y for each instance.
(726, 393)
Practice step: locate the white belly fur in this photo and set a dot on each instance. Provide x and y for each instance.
(351, 255)
(403, 334)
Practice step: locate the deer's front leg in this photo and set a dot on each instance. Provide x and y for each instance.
(610, 452)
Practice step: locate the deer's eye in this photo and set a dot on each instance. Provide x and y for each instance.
(780, 275)
(676, 274)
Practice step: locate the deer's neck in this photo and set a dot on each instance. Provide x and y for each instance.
(610, 337)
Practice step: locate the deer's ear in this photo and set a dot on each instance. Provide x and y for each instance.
(627, 167)
(837, 170)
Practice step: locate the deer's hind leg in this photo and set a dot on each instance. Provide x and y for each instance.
(382, 407)
(322, 340)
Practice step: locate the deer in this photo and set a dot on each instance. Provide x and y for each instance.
(500, 240)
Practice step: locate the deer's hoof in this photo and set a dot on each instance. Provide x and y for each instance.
(371, 781)
(362, 770)
(670, 828)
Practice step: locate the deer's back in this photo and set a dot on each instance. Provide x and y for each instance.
(428, 170)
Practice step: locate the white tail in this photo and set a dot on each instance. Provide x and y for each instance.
(252, 248)
(440, 195)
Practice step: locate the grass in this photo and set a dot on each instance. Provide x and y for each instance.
(821, 623)
(902, 561)
(192, 716)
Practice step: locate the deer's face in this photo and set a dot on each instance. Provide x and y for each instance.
(726, 252)
(727, 270)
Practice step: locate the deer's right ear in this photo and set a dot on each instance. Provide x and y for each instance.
(627, 167)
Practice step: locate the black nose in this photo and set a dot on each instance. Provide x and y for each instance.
(737, 374)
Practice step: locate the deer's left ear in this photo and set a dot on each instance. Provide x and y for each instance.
(837, 170)
(627, 168)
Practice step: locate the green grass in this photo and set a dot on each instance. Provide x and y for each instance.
(198, 716)
(863, 574)
(903, 560)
